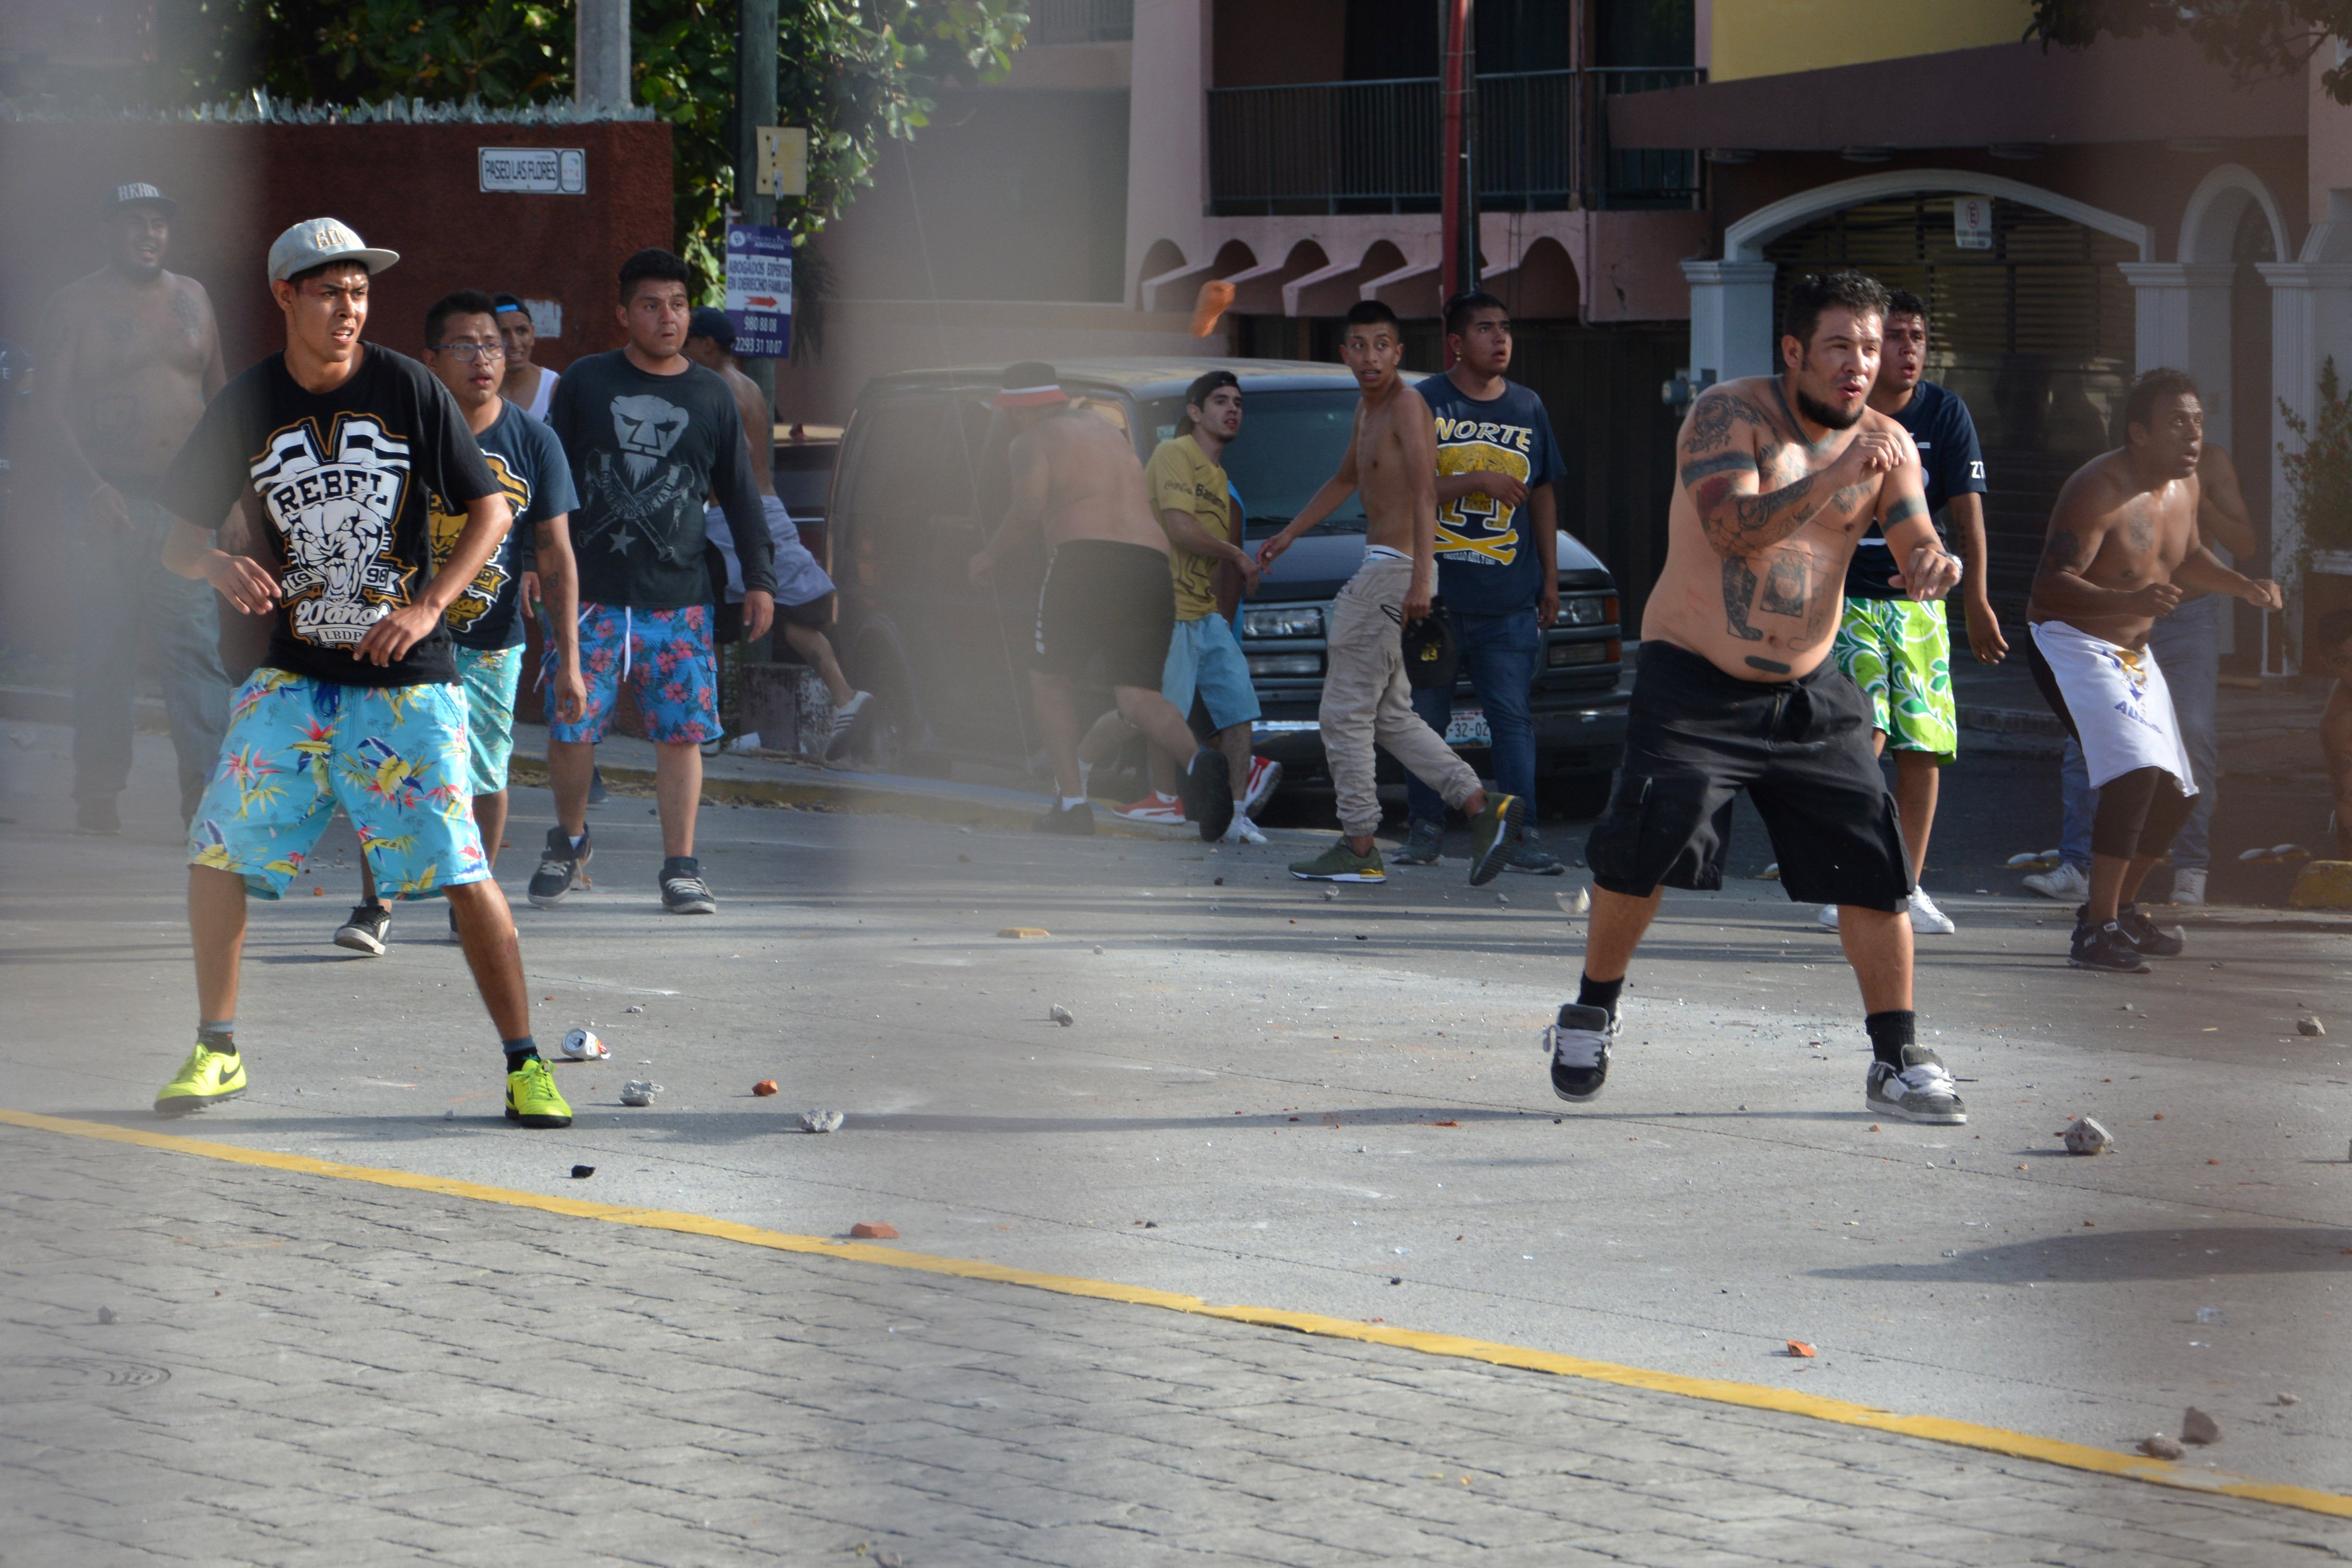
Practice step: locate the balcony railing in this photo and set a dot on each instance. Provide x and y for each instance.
(1081, 21)
(1377, 146)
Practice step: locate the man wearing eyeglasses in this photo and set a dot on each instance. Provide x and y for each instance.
(485, 622)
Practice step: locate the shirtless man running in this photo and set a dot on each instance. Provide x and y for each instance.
(1107, 591)
(129, 356)
(1781, 475)
(2122, 552)
(1390, 461)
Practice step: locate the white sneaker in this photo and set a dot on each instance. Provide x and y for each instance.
(1243, 831)
(2067, 884)
(2189, 886)
(1828, 917)
(1927, 917)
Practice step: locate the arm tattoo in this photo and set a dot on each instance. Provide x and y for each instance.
(1712, 419)
(1707, 467)
(1905, 509)
(2064, 552)
(1755, 522)
(1739, 592)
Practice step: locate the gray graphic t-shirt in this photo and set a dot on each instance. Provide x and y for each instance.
(645, 451)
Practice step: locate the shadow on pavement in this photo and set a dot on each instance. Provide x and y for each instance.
(2092, 1256)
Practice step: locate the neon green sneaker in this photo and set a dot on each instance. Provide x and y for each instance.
(206, 1078)
(531, 1096)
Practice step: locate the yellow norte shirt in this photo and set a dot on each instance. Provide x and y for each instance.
(1181, 478)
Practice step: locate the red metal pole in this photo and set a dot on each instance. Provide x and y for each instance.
(1455, 269)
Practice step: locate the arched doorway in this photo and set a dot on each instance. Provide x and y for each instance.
(2035, 331)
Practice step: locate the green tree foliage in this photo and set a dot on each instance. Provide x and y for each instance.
(855, 72)
(2255, 39)
(2318, 468)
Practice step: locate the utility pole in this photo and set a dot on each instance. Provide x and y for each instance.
(755, 107)
(1460, 206)
(600, 55)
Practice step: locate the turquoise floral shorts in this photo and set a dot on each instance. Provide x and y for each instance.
(395, 758)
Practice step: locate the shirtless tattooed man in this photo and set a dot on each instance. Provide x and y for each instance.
(1392, 463)
(1735, 689)
(128, 358)
(1106, 592)
(2123, 550)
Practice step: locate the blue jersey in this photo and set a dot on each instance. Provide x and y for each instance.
(527, 462)
(1947, 438)
(1488, 560)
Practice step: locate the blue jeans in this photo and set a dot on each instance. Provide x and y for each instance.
(2188, 649)
(125, 591)
(1500, 653)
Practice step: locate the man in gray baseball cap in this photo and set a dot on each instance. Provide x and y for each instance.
(316, 241)
(129, 357)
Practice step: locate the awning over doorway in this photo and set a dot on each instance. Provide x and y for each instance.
(2143, 89)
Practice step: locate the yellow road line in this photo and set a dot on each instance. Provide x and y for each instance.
(1750, 1395)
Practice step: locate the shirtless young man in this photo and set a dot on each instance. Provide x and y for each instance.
(1736, 691)
(2123, 550)
(803, 591)
(1107, 590)
(1392, 462)
(129, 356)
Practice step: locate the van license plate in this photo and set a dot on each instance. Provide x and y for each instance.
(1469, 727)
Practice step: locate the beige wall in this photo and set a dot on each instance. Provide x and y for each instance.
(1769, 38)
(2329, 148)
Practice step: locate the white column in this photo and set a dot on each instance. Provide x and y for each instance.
(600, 61)
(2184, 322)
(1731, 318)
(1168, 134)
(2311, 322)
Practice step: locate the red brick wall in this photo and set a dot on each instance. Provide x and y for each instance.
(413, 188)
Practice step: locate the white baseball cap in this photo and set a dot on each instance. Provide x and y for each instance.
(315, 240)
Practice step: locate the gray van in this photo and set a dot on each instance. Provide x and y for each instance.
(922, 482)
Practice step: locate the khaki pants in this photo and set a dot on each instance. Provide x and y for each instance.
(1366, 700)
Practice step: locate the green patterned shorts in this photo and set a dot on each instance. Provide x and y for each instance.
(1900, 653)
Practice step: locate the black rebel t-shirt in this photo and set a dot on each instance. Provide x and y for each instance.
(342, 483)
(1946, 438)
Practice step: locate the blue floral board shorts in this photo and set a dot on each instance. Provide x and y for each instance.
(395, 758)
(666, 659)
(489, 676)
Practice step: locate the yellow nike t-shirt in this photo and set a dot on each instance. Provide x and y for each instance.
(1181, 478)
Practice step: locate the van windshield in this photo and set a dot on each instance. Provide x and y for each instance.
(1290, 443)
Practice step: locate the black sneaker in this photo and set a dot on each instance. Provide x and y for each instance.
(1207, 791)
(683, 890)
(1923, 1091)
(1424, 845)
(99, 816)
(1579, 1044)
(560, 867)
(2146, 935)
(1078, 821)
(2106, 947)
(365, 931)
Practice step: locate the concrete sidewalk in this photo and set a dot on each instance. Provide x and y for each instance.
(301, 1371)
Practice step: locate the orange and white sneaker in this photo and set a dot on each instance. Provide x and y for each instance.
(1165, 809)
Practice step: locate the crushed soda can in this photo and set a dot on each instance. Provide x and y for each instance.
(638, 1091)
(582, 1046)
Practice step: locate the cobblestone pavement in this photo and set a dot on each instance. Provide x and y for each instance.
(302, 1370)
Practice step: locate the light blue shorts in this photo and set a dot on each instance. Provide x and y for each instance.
(395, 758)
(491, 676)
(1203, 657)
